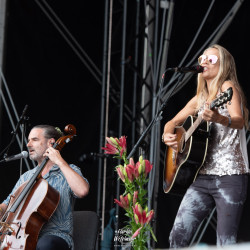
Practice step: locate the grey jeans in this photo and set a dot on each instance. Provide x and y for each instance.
(227, 193)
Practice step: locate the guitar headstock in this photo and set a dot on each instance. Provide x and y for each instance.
(224, 97)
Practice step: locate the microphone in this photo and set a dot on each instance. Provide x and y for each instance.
(23, 154)
(193, 69)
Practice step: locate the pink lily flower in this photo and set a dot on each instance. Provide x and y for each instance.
(130, 172)
(141, 216)
(115, 146)
(135, 196)
(137, 173)
(124, 202)
(134, 167)
(123, 144)
(150, 216)
(131, 162)
(119, 170)
(144, 166)
(112, 141)
(110, 148)
(136, 233)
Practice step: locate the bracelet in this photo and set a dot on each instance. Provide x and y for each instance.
(229, 121)
(162, 138)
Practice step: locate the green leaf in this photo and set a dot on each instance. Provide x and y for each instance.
(153, 235)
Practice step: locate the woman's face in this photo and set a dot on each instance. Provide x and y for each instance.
(210, 64)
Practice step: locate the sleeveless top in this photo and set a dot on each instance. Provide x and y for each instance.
(227, 149)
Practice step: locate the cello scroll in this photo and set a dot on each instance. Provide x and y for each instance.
(70, 130)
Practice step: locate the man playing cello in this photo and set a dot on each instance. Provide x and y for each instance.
(66, 179)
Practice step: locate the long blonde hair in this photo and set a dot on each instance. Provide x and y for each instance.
(227, 72)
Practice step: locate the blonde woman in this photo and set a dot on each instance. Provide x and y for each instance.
(222, 179)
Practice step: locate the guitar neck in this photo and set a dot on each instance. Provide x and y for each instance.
(191, 130)
(197, 122)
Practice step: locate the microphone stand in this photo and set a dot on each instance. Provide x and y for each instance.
(14, 133)
(23, 121)
(157, 117)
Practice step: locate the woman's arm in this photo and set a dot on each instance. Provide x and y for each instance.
(236, 119)
(168, 137)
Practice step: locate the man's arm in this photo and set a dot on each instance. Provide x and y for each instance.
(77, 183)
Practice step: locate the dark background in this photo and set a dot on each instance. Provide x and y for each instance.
(43, 72)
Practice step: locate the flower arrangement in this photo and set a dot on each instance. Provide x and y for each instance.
(134, 201)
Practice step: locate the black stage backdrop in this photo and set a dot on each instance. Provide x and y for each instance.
(43, 72)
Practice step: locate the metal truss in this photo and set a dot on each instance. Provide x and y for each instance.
(5, 94)
(136, 41)
(153, 25)
(2, 28)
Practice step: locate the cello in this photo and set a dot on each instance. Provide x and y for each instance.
(31, 206)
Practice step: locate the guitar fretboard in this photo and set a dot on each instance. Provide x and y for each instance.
(192, 128)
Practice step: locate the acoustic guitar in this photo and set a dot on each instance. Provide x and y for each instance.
(183, 165)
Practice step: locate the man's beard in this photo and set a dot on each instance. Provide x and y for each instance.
(35, 157)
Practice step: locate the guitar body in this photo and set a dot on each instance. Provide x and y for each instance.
(182, 167)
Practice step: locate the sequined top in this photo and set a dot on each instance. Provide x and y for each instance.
(227, 150)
